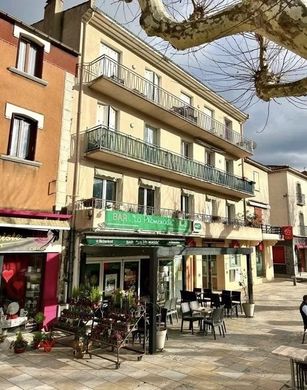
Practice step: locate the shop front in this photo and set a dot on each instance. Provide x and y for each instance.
(29, 264)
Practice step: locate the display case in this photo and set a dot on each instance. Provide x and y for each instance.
(33, 278)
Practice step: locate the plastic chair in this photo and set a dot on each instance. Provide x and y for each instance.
(215, 300)
(216, 320)
(229, 305)
(236, 298)
(187, 296)
(187, 315)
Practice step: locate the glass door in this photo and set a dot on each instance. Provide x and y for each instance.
(111, 277)
(131, 278)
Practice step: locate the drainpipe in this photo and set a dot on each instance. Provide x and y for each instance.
(73, 234)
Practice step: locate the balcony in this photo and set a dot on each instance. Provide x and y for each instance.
(271, 232)
(300, 199)
(100, 215)
(121, 149)
(106, 76)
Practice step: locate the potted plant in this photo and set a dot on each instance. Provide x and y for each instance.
(95, 296)
(161, 332)
(47, 341)
(248, 305)
(39, 318)
(19, 344)
(37, 339)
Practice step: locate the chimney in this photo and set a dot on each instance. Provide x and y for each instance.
(52, 24)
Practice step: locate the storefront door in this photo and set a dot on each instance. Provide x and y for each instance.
(209, 271)
(110, 275)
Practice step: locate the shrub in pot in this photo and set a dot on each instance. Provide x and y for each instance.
(19, 344)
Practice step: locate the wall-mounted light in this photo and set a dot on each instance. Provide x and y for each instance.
(131, 125)
(133, 67)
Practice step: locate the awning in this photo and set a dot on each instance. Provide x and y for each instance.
(34, 223)
(149, 183)
(108, 174)
(258, 204)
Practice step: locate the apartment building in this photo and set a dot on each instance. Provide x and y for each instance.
(37, 75)
(159, 165)
(288, 187)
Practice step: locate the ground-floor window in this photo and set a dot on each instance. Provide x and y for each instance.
(209, 271)
(259, 262)
(234, 267)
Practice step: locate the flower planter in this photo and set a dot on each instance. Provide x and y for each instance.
(248, 309)
(160, 339)
(19, 349)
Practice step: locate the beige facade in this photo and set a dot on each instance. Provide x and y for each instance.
(288, 188)
(161, 158)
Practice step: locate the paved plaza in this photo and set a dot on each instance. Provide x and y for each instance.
(241, 360)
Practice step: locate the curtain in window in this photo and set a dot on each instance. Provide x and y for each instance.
(21, 56)
(32, 56)
(20, 138)
(151, 86)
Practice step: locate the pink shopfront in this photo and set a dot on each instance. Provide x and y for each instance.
(30, 262)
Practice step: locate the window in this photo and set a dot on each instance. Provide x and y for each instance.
(22, 137)
(234, 267)
(301, 224)
(110, 61)
(259, 261)
(151, 135)
(230, 212)
(104, 189)
(186, 99)
(30, 57)
(186, 149)
(152, 85)
(185, 204)
(146, 200)
(229, 166)
(208, 118)
(228, 129)
(256, 180)
(209, 158)
(106, 116)
(300, 198)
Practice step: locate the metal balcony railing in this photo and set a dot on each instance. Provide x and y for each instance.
(303, 230)
(102, 138)
(97, 203)
(268, 229)
(300, 199)
(108, 68)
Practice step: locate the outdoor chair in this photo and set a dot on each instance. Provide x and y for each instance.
(173, 308)
(207, 292)
(167, 305)
(229, 305)
(215, 300)
(187, 296)
(187, 315)
(216, 320)
(236, 298)
(196, 308)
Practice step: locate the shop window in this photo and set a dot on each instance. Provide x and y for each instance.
(21, 281)
(146, 202)
(234, 268)
(22, 139)
(30, 57)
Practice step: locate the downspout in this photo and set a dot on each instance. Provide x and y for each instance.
(73, 235)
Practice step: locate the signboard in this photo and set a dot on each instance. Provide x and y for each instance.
(197, 226)
(123, 220)
(104, 241)
(287, 232)
(18, 240)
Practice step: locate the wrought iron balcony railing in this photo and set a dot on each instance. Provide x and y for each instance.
(300, 199)
(102, 138)
(97, 203)
(268, 229)
(303, 230)
(117, 73)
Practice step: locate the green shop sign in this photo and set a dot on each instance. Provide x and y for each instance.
(131, 242)
(151, 223)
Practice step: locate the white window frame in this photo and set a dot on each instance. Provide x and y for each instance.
(256, 180)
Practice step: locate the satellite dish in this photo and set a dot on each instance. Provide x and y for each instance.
(13, 308)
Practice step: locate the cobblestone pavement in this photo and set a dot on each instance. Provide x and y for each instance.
(241, 360)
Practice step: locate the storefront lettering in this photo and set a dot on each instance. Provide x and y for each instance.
(10, 237)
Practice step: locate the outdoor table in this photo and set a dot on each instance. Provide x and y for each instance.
(296, 355)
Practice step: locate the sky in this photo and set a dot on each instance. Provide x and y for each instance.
(281, 137)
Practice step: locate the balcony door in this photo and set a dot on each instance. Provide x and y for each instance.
(110, 61)
(146, 202)
(106, 116)
(152, 85)
(104, 190)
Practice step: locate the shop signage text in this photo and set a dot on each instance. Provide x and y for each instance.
(152, 223)
(131, 242)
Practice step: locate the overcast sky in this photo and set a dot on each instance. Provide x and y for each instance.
(282, 141)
